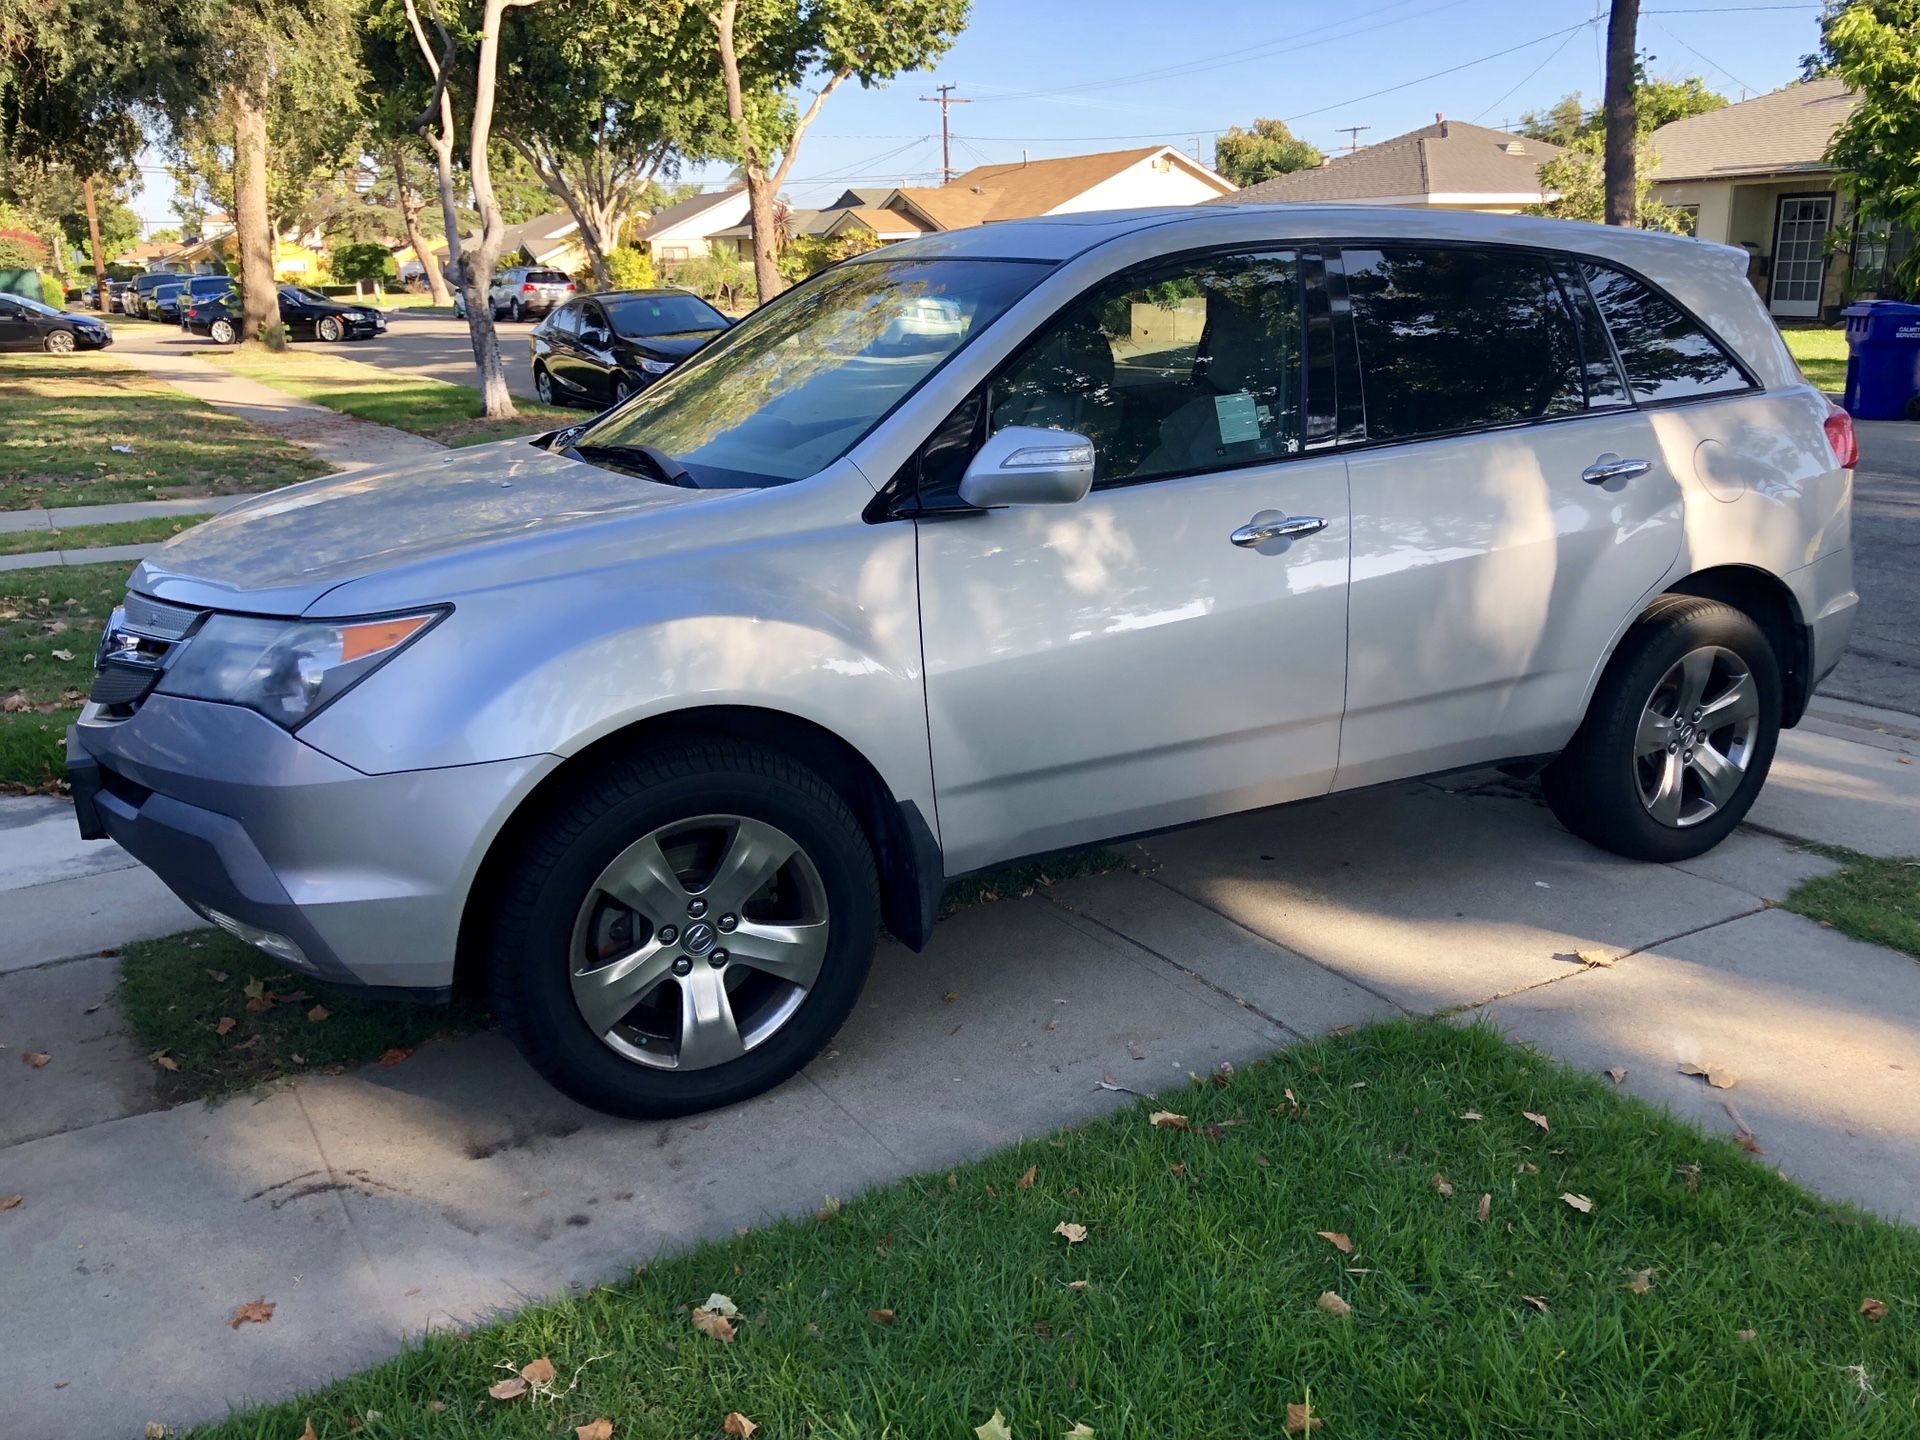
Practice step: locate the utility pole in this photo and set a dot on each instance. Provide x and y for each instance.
(1352, 132)
(945, 98)
(93, 230)
(1622, 120)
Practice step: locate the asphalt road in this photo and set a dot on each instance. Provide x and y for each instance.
(437, 345)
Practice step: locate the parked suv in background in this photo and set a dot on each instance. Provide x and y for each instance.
(523, 290)
(985, 545)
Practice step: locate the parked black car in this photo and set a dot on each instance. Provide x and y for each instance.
(32, 325)
(215, 316)
(303, 312)
(602, 348)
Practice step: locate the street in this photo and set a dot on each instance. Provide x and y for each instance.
(1882, 664)
(437, 345)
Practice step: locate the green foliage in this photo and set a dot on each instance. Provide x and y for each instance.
(631, 269)
(53, 290)
(1869, 898)
(1656, 103)
(20, 250)
(719, 276)
(1577, 180)
(365, 261)
(809, 254)
(1247, 157)
(1875, 48)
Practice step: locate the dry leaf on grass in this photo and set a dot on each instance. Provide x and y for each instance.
(1078, 1284)
(596, 1430)
(1337, 1240)
(1301, 1419)
(257, 997)
(713, 1324)
(309, 1433)
(7, 1202)
(1640, 1281)
(1333, 1304)
(390, 1058)
(739, 1425)
(538, 1372)
(1486, 1209)
(511, 1388)
(1074, 1233)
(1616, 1073)
(994, 1429)
(1539, 1120)
(1025, 1182)
(318, 1013)
(1745, 1334)
(1080, 1431)
(164, 1060)
(1471, 1115)
(1167, 1120)
(880, 1317)
(254, 1312)
(36, 1058)
(1443, 1185)
(1873, 1309)
(1538, 1302)
(1579, 1202)
(224, 1024)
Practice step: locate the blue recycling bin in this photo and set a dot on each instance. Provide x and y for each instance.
(1883, 360)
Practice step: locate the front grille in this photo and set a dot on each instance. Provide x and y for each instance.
(116, 683)
(139, 640)
(157, 618)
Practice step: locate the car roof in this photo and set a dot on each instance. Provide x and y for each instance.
(655, 293)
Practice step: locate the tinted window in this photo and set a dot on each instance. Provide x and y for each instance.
(1458, 339)
(565, 321)
(1604, 385)
(638, 316)
(545, 277)
(1189, 368)
(1666, 354)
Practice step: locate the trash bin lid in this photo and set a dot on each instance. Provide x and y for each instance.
(1886, 308)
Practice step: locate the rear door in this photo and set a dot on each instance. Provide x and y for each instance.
(1128, 662)
(1510, 507)
(16, 331)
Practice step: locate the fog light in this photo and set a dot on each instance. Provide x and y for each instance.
(278, 946)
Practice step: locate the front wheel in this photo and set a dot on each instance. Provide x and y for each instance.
(330, 329)
(622, 388)
(59, 342)
(543, 385)
(513, 311)
(1679, 737)
(684, 929)
(221, 332)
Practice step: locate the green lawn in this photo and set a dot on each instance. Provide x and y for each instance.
(50, 622)
(61, 416)
(1868, 898)
(93, 537)
(433, 408)
(1822, 353)
(1700, 1295)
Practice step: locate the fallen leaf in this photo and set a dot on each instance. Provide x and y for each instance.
(1301, 1419)
(254, 1312)
(1333, 1304)
(318, 1013)
(880, 1317)
(1717, 1076)
(164, 1060)
(1746, 1141)
(154, 1431)
(224, 1024)
(1443, 1185)
(600, 1430)
(1337, 1240)
(256, 992)
(1595, 959)
(62, 654)
(951, 996)
(1579, 1202)
(219, 977)
(1616, 1073)
(1074, 1233)
(1051, 1025)
(309, 1433)
(994, 1429)
(538, 1372)
(36, 1058)
(390, 1058)
(7, 1202)
(734, 1424)
(1471, 1115)
(1078, 1284)
(1538, 1302)
(1745, 1334)
(1080, 1431)
(1167, 1120)
(1873, 1309)
(1025, 1182)
(1539, 1120)
(1640, 1281)
(511, 1388)
(1486, 1209)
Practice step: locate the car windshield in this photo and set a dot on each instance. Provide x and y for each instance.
(39, 307)
(312, 297)
(789, 389)
(209, 285)
(638, 316)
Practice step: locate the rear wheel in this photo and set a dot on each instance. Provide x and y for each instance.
(329, 329)
(59, 342)
(543, 385)
(622, 388)
(685, 929)
(221, 332)
(1679, 737)
(514, 312)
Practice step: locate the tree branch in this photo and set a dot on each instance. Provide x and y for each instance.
(813, 110)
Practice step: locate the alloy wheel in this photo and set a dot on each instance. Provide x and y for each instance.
(543, 386)
(699, 942)
(621, 389)
(513, 311)
(221, 332)
(60, 342)
(329, 329)
(1696, 736)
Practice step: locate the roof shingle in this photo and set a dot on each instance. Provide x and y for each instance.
(1786, 130)
(1449, 157)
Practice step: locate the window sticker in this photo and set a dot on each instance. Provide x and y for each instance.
(1237, 418)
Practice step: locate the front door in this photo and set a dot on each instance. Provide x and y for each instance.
(1800, 254)
(1128, 662)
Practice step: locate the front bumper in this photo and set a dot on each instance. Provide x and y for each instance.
(367, 875)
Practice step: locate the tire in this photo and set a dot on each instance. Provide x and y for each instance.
(514, 312)
(329, 329)
(1638, 778)
(543, 385)
(58, 342)
(221, 332)
(694, 809)
(622, 388)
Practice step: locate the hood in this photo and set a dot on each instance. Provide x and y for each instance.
(671, 347)
(279, 553)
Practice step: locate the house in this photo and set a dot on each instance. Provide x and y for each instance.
(1756, 175)
(695, 226)
(1112, 180)
(1448, 165)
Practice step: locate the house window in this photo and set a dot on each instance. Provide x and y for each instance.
(671, 253)
(1688, 217)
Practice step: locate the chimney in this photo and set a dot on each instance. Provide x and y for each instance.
(1023, 159)
(1441, 121)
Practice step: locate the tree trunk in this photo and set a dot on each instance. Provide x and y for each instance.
(496, 401)
(100, 300)
(765, 226)
(260, 302)
(1622, 122)
(410, 217)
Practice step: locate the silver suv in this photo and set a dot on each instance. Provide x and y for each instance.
(990, 544)
(525, 290)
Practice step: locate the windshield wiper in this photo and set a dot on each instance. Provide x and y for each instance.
(666, 466)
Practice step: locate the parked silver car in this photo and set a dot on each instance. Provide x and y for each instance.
(524, 290)
(646, 726)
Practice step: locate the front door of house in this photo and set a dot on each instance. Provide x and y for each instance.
(1800, 254)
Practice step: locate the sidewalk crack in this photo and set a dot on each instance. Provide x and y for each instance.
(334, 1185)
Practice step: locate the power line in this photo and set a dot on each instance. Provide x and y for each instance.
(1531, 73)
(1710, 63)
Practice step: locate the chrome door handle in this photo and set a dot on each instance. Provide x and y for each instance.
(1612, 467)
(1286, 527)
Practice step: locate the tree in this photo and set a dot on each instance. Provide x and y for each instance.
(1622, 126)
(1875, 46)
(767, 48)
(1655, 103)
(1819, 64)
(496, 402)
(1576, 181)
(1247, 157)
(367, 260)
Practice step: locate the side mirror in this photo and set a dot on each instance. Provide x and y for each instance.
(1028, 465)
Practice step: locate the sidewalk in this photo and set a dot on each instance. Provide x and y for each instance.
(373, 1204)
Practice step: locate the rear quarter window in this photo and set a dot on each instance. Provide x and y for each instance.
(1667, 354)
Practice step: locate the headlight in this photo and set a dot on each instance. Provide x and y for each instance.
(655, 367)
(287, 669)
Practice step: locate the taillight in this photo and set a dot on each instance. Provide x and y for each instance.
(1839, 428)
(569, 287)
(526, 287)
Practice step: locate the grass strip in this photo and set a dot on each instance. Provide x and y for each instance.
(94, 537)
(423, 406)
(1868, 898)
(1821, 353)
(1694, 1292)
(50, 621)
(62, 417)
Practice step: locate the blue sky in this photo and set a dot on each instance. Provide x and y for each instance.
(1064, 77)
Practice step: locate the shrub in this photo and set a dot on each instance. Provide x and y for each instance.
(364, 261)
(719, 276)
(631, 269)
(53, 289)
